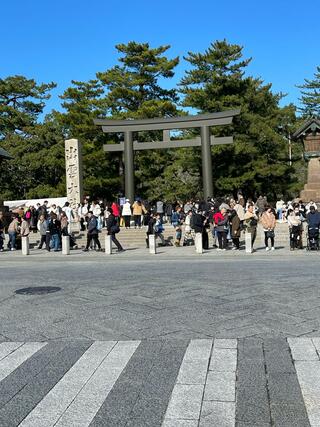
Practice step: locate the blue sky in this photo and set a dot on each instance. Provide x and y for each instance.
(72, 39)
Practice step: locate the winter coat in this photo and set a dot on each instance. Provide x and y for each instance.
(268, 221)
(197, 222)
(221, 221)
(294, 220)
(240, 211)
(115, 209)
(313, 219)
(43, 227)
(13, 226)
(126, 209)
(112, 224)
(92, 225)
(54, 226)
(250, 221)
(235, 225)
(24, 229)
(138, 208)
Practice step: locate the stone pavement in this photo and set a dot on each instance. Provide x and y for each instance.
(173, 339)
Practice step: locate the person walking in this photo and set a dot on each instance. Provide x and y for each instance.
(159, 229)
(150, 221)
(268, 222)
(43, 228)
(93, 232)
(116, 211)
(113, 228)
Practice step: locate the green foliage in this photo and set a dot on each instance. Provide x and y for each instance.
(137, 87)
(310, 96)
(37, 168)
(257, 162)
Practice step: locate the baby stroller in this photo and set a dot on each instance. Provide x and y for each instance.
(188, 239)
(313, 239)
(295, 237)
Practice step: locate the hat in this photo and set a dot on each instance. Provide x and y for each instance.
(127, 200)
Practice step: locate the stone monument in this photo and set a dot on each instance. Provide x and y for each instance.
(309, 134)
(74, 172)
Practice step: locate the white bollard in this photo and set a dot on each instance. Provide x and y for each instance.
(152, 244)
(65, 245)
(248, 242)
(198, 243)
(25, 245)
(108, 245)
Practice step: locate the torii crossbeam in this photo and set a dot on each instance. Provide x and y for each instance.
(202, 121)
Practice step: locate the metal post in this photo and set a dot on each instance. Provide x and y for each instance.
(128, 166)
(206, 162)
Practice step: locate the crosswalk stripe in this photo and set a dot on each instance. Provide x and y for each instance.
(307, 364)
(8, 347)
(22, 353)
(49, 410)
(186, 397)
(59, 405)
(219, 406)
(204, 392)
(179, 384)
(87, 403)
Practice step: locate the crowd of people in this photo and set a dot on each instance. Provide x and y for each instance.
(224, 218)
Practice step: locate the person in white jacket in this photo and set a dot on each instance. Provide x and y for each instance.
(126, 213)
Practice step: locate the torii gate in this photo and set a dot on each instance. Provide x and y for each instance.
(202, 121)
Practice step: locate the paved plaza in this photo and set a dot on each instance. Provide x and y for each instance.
(173, 339)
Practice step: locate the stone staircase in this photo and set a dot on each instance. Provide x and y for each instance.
(136, 238)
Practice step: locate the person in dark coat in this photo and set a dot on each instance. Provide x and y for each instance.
(235, 228)
(313, 218)
(113, 228)
(198, 223)
(54, 228)
(150, 222)
(93, 232)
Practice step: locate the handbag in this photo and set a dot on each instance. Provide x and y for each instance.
(115, 229)
(270, 234)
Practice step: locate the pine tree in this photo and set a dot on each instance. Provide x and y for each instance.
(310, 96)
(257, 162)
(134, 89)
(22, 102)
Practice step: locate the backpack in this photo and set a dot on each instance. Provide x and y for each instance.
(99, 223)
